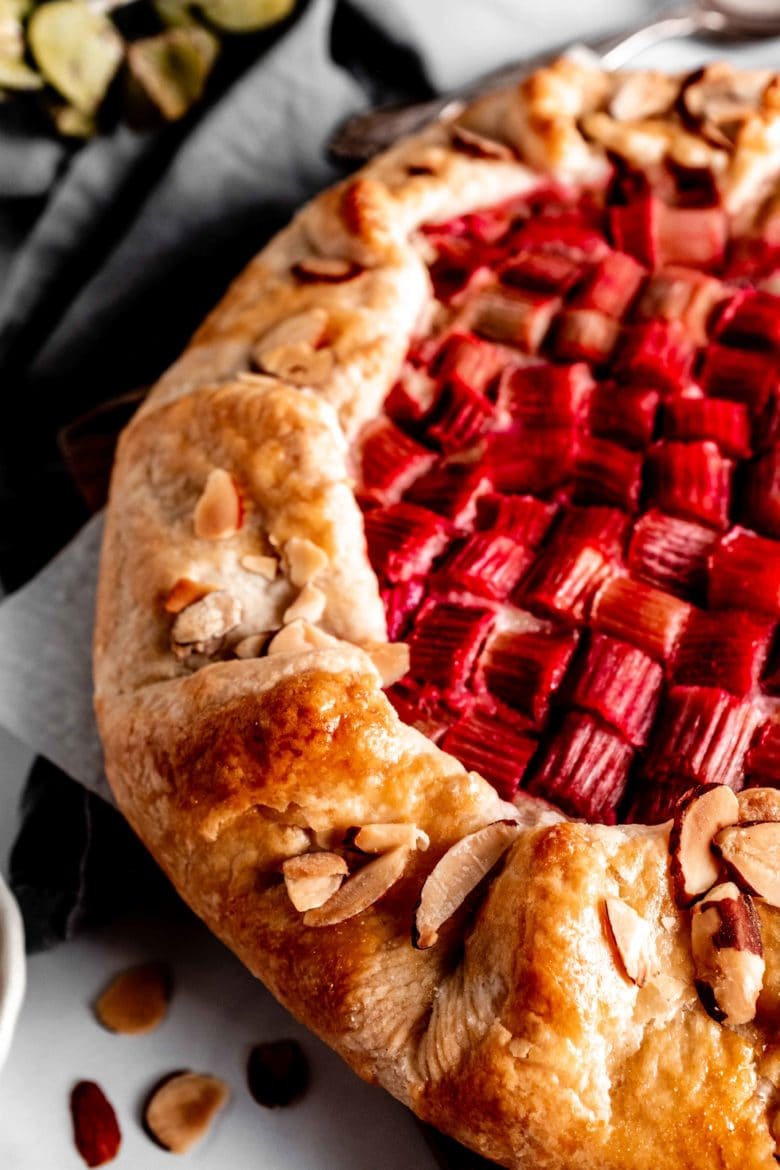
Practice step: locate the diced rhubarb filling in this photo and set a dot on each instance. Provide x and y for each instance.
(572, 500)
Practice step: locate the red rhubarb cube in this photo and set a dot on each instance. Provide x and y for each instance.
(761, 494)
(605, 472)
(671, 553)
(569, 231)
(692, 480)
(604, 527)
(496, 750)
(486, 563)
(541, 270)
(422, 707)
(654, 799)
(635, 612)
(702, 734)
(564, 579)
(633, 227)
(412, 397)
(740, 375)
(585, 335)
(621, 684)
(446, 642)
(745, 573)
(751, 319)
(610, 285)
(623, 413)
(762, 762)
(452, 490)
(691, 235)
(684, 295)
(401, 602)
(515, 318)
(469, 362)
(524, 518)
(390, 461)
(726, 423)
(404, 540)
(460, 417)
(656, 353)
(545, 395)
(726, 650)
(583, 770)
(535, 460)
(524, 669)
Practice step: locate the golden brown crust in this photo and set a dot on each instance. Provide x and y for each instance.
(519, 1032)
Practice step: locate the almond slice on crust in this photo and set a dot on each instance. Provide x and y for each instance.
(379, 838)
(309, 328)
(252, 646)
(182, 1108)
(219, 512)
(478, 146)
(185, 592)
(325, 270)
(630, 933)
(727, 954)
(699, 816)
(312, 878)
(362, 890)
(304, 558)
(642, 95)
(299, 364)
(390, 658)
(759, 804)
(298, 636)
(752, 856)
(200, 628)
(309, 605)
(456, 874)
(263, 566)
(136, 1000)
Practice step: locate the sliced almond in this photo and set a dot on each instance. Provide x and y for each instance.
(702, 814)
(759, 804)
(219, 512)
(252, 646)
(309, 605)
(184, 593)
(456, 874)
(718, 99)
(136, 1000)
(307, 328)
(390, 658)
(200, 627)
(264, 566)
(630, 933)
(312, 878)
(325, 270)
(379, 838)
(300, 636)
(727, 954)
(304, 559)
(362, 890)
(477, 145)
(752, 854)
(182, 1108)
(300, 364)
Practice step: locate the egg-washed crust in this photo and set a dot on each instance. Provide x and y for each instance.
(519, 1032)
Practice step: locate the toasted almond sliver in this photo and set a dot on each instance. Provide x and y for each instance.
(252, 646)
(694, 867)
(752, 854)
(631, 936)
(219, 511)
(456, 874)
(206, 620)
(759, 804)
(136, 1000)
(317, 864)
(264, 566)
(300, 636)
(308, 328)
(309, 605)
(299, 364)
(362, 890)
(727, 954)
(380, 837)
(312, 878)
(182, 1108)
(325, 269)
(478, 146)
(304, 560)
(185, 592)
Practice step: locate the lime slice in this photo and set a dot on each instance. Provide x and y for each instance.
(245, 15)
(77, 49)
(172, 67)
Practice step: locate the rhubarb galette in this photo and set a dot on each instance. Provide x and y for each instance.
(439, 572)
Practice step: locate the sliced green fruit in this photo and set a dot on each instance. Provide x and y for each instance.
(77, 49)
(245, 15)
(172, 67)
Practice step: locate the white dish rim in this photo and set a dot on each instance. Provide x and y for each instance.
(13, 972)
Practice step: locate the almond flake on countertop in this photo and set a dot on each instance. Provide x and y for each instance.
(136, 1000)
(309, 605)
(219, 512)
(182, 1107)
(630, 933)
(262, 565)
(304, 559)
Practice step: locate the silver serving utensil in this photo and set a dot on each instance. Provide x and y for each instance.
(364, 135)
